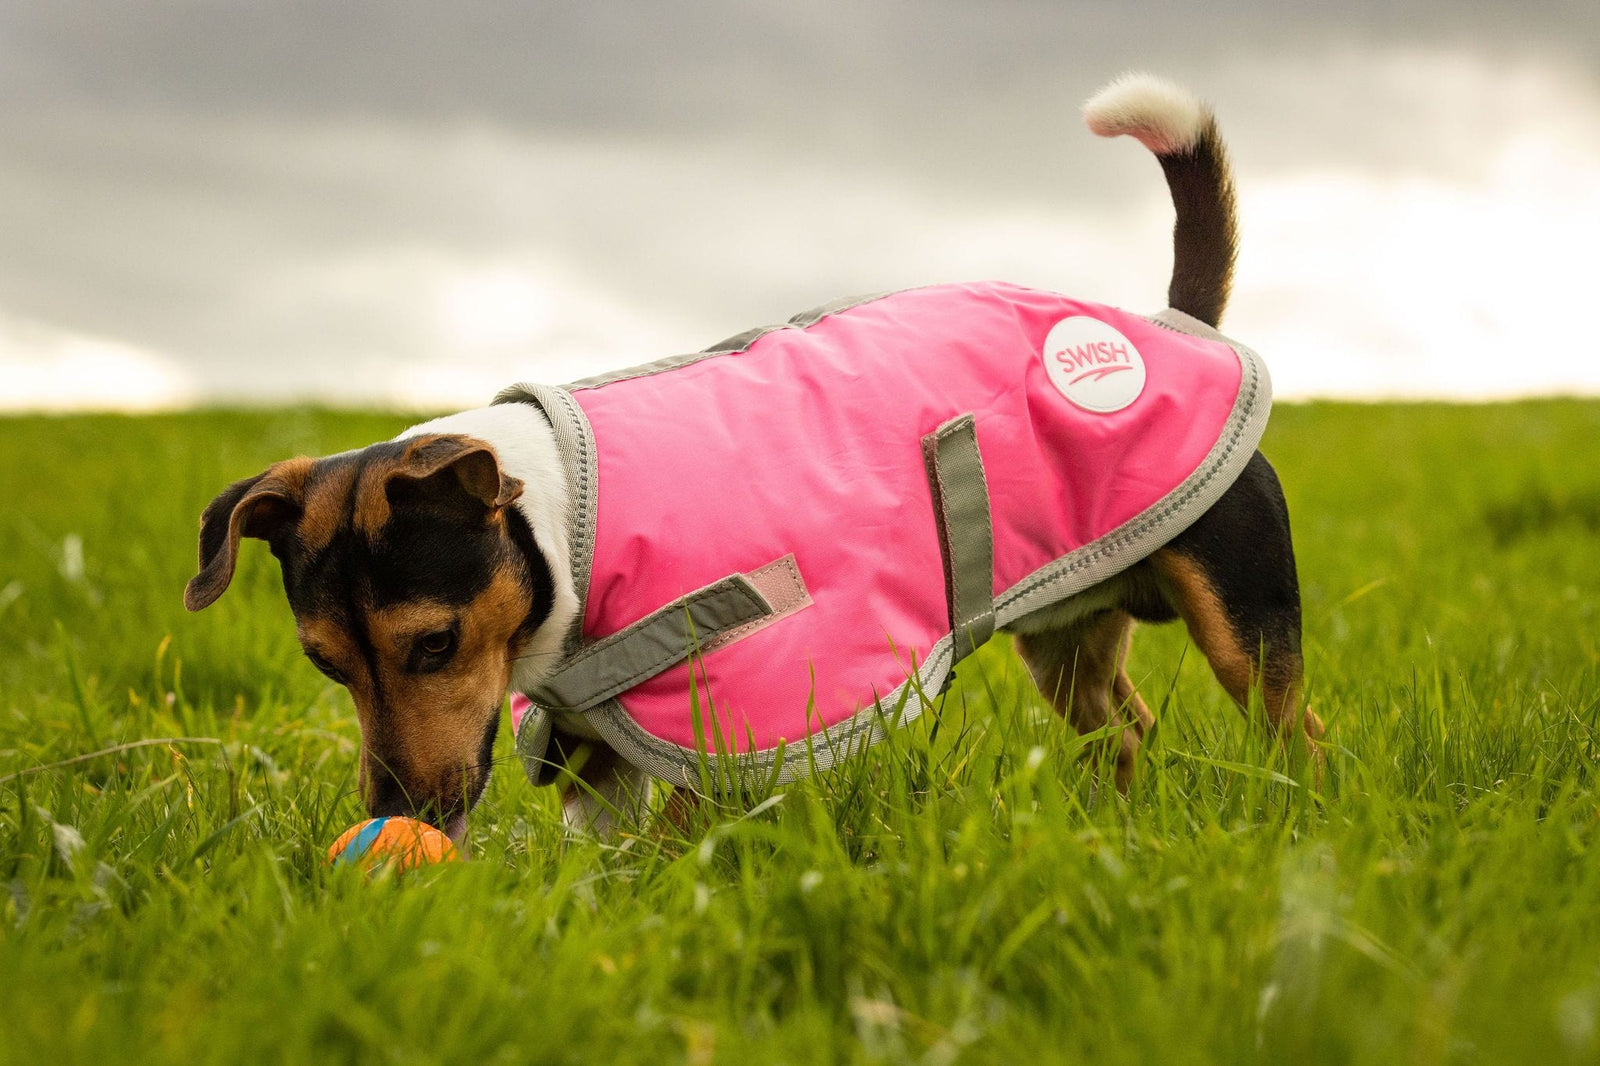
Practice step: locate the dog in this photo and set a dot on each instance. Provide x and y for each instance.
(432, 573)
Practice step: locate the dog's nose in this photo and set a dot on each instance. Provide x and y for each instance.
(385, 796)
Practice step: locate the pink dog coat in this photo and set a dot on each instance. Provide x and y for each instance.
(787, 540)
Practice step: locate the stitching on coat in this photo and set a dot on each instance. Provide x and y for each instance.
(729, 636)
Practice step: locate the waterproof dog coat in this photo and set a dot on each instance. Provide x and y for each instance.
(786, 541)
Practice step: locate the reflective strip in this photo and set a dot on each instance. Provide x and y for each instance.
(739, 342)
(659, 640)
(575, 443)
(966, 539)
(1179, 322)
(532, 734)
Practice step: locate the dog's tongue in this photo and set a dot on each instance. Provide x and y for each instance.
(519, 707)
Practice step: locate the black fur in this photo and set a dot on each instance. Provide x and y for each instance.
(435, 546)
(540, 579)
(214, 521)
(1205, 233)
(1242, 545)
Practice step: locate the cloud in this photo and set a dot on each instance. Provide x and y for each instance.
(1452, 276)
(416, 206)
(1415, 289)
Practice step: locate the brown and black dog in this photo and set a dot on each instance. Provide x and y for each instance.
(430, 573)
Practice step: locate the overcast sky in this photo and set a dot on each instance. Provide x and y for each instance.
(418, 203)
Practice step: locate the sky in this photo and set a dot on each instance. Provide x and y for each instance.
(412, 205)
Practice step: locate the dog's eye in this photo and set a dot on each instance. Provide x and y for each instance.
(332, 672)
(431, 651)
(438, 644)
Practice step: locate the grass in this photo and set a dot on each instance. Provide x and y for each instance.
(961, 893)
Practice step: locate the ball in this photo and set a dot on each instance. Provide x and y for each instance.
(400, 843)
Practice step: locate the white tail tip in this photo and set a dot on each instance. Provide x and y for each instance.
(1164, 117)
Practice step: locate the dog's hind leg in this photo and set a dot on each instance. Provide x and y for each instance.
(1231, 577)
(1122, 691)
(1080, 669)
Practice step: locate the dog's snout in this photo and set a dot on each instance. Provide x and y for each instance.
(387, 796)
(384, 795)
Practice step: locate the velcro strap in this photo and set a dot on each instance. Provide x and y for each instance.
(966, 538)
(780, 583)
(661, 639)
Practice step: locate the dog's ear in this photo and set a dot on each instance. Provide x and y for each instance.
(262, 506)
(472, 461)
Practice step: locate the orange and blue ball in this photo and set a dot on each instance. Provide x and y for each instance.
(399, 843)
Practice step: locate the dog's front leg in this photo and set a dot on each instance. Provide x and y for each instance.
(608, 793)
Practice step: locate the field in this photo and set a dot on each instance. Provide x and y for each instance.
(963, 893)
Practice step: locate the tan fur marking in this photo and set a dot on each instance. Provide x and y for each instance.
(292, 473)
(1235, 664)
(372, 497)
(322, 635)
(1202, 611)
(1079, 668)
(323, 509)
(393, 629)
(1123, 691)
(432, 724)
(333, 643)
(424, 457)
(679, 810)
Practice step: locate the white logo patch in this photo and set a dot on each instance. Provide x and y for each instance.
(1093, 364)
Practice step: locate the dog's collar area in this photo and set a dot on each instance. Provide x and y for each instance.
(575, 446)
(533, 725)
(539, 574)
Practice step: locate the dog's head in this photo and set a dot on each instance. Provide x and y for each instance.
(413, 583)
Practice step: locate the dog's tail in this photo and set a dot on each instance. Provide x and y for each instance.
(1182, 132)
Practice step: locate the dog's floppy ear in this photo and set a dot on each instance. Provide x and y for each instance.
(261, 506)
(472, 461)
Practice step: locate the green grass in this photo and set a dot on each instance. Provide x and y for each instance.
(961, 893)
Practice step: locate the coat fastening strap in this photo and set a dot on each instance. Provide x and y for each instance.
(533, 746)
(659, 640)
(966, 538)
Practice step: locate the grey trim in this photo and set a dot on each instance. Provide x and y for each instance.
(1050, 584)
(807, 319)
(1183, 322)
(821, 751)
(575, 444)
(739, 342)
(663, 638)
(966, 535)
(1130, 542)
(533, 744)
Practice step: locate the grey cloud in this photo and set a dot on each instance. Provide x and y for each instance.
(211, 179)
(669, 70)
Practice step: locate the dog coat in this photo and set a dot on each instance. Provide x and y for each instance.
(785, 542)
